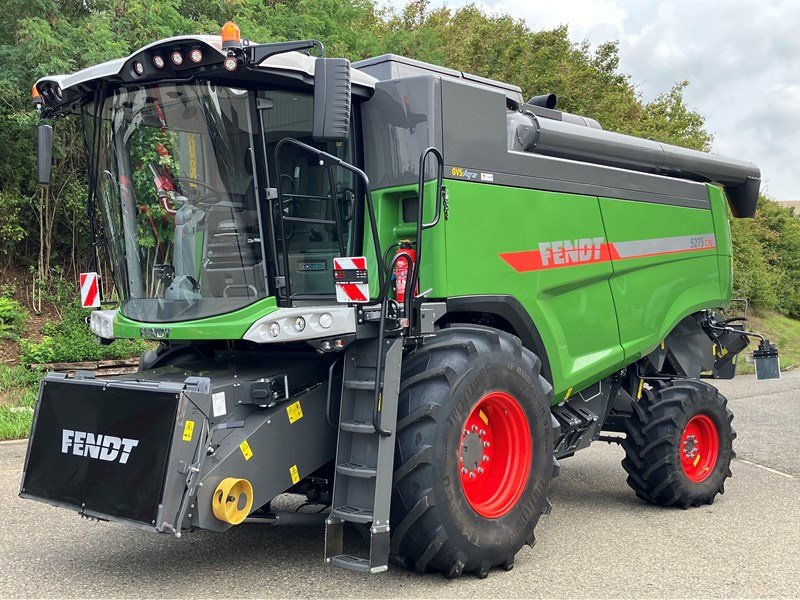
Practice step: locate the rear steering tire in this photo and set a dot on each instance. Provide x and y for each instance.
(679, 444)
(474, 453)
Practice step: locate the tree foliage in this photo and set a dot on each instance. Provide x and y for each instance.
(42, 230)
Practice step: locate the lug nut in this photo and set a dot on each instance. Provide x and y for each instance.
(486, 444)
(485, 458)
(474, 428)
(482, 432)
(472, 474)
(464, 470)
(480, 469)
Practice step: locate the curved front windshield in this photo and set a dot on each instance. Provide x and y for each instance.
(177, 199)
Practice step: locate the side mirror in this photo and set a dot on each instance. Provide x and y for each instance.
(45, 153)
(332, 99)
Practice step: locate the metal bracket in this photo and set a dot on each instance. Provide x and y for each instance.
(429, 313)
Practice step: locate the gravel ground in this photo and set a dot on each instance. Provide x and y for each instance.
(599, 541)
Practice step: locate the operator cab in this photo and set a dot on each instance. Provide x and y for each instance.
(199, 204)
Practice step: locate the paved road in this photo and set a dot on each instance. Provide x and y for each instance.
(600, 541)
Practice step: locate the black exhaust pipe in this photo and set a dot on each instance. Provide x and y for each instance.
(545, 101)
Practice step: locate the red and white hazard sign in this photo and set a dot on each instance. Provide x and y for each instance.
(90, 290)
(351, 278)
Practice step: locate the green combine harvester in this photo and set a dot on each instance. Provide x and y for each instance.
(396, 289)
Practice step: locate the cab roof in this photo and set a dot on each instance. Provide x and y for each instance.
(58, 91)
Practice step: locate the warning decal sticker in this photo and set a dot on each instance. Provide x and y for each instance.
(90, 290)
(188, 430)
(294, 473)
(246, 451)
(295, 412)
(351, 278)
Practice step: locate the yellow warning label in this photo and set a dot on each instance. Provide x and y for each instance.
(641, 386)
(188, 431)
(246, 451)
(483, 417)
(696, 460)
(294, 473)
(567, 395)
(295, 412)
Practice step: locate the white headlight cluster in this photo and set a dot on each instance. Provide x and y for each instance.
(101, 322)
(303, 323)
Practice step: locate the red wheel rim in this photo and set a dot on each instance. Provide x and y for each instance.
(495, 455)
(699, 448)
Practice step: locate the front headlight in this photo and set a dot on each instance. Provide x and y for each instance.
(101, 322)
(303, 323)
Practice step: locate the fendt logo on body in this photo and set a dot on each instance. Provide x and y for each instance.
(586, 251)
(567, 252)
(96, 445)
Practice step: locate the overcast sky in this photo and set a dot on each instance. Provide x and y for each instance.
(741, 57)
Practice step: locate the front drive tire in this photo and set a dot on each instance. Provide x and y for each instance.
(461, 503)
(679, 444)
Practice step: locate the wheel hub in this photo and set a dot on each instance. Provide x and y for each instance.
(690, 448)
(472, 451)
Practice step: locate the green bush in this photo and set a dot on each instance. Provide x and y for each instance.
(12, 318)
(766, 259)
(71, 340)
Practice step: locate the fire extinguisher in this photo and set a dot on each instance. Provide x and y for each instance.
(401, 269)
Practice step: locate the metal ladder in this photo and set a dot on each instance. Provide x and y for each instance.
(362, 485)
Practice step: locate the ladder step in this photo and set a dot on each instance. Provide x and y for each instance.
(356, 427)
(351, 514)
(359, 384)
(356, 470)
(353, 563)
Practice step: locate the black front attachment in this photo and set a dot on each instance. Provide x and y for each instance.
(104, 449)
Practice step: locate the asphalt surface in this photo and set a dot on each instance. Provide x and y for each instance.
(599, 541)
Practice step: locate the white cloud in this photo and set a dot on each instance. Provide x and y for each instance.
(741, 57)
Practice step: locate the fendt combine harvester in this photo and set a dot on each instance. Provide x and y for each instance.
(396, 289)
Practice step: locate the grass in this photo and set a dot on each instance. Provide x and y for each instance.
(18, 390)
(781, 331)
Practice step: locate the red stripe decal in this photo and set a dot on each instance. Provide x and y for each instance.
(534, 260)
(352, 291)
(91, 297)
(360, 262)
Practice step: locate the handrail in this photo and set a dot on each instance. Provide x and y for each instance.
(420, 225)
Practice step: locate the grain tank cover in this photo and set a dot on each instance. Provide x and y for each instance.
(393, 66)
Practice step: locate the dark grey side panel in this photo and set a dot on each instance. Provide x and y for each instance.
(402, 119)
(474, 125)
